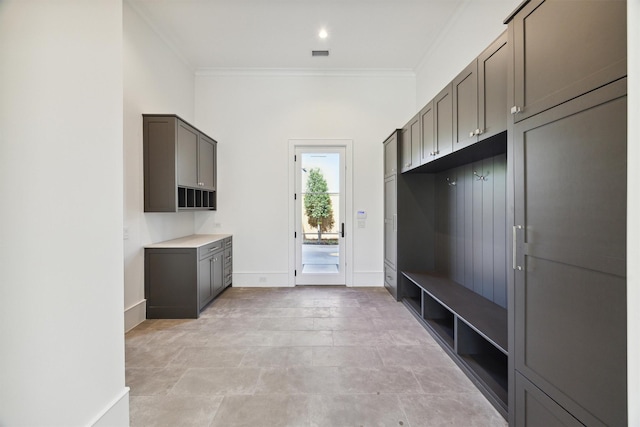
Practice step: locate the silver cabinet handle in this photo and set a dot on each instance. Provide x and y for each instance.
(514, 245)
(515, 109)
(472, 134)
(213, 249)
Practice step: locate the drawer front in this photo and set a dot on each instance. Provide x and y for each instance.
(228, 242)
(227, 276)
(228, 258)
(210, 249)
(390, 277)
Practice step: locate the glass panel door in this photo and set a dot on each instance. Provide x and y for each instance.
(320, 216)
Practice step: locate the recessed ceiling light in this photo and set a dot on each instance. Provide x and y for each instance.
(323, 34)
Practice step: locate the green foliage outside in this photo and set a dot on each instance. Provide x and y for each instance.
(317, 203)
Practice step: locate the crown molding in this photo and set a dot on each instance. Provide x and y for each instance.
(307, 72)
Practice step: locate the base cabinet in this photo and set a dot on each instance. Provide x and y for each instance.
(536, 409)
(183, 276)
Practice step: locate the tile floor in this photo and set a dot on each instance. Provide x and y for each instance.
(299, 357)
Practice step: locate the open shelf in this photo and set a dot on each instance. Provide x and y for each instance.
(412, 296)
(440, 319)
(195, 199)
(472, 329)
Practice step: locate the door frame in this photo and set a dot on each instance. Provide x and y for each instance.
(347, 144)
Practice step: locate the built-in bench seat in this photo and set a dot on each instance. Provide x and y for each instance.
(472, 329)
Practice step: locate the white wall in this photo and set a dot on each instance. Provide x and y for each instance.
(61, 298)
(633, 226)
(155, 81)
(474, 26)
(253, 116)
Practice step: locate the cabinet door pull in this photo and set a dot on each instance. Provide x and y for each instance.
(515, 109)
(514, 247)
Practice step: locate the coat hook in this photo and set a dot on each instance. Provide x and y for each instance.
(479, 177)
(450, 183)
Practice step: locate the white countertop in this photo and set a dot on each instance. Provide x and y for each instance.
(193, 241)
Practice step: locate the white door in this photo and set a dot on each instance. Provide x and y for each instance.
(320, 215)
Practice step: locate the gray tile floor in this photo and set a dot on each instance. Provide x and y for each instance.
(300, 357)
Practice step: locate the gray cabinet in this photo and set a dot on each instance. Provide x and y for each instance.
(443, 122)
(537, 409)
(410, 145)
(179, 166)
(427, 135)
(228, 262)
(492, 90)
(465, 106)
(480, 96)
(210, 273)
(390, 218)
(562, 50)
(390, 212)
(568, 287)
(183, 275)
(570, 255)
(391, 156)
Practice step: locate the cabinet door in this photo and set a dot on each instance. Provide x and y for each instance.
(536, 409)
(391, 155)
(570, 280)
(206, 163)
(492, 89)
(217, 273)
(390, 218)
(414, 128)
(205, 289)
(187, 155)
(405, 148)
(443, 119)
(563, 49)
(465, 107)
(427, 142)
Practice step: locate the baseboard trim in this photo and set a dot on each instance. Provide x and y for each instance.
(261, 280)
(135, 315)
(116, 413)
(368, 278)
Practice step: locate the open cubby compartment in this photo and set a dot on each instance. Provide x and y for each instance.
(439, 318)
(191, 198)
(195, 199)
(182, 197)
(211, 203)
(412, 295)
(485, 360)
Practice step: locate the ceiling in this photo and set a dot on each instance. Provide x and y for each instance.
(280, 34)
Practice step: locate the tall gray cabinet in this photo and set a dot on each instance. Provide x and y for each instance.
(568, 138)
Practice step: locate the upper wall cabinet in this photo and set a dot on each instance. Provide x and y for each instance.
(443, 122)
(410, 145)
(179, 165)
(427, 134)
(548, 69)
(480, 96)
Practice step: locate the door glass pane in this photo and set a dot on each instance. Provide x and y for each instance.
(320, 220)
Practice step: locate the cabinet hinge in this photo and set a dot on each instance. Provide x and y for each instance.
(295, 235)
(295, 158)
(295, 272)
(295, 196)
